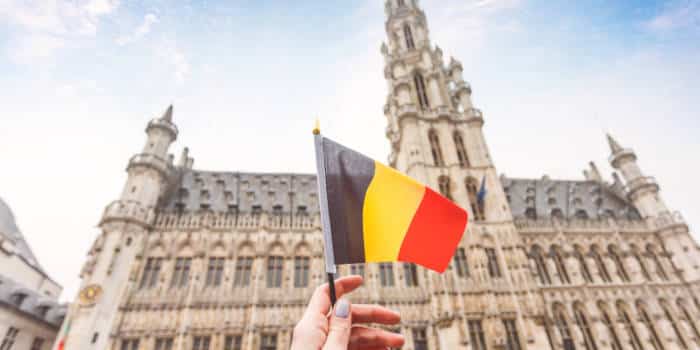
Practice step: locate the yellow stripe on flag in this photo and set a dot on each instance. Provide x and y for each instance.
(389, 206)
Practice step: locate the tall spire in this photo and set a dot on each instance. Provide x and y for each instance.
(614, 146)
(168, 115)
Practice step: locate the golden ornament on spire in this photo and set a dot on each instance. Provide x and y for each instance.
(317, 127)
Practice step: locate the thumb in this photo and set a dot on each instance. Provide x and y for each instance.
(340, 326)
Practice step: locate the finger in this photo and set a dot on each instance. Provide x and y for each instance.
(374, 314)
(320, 300)
(365, 337)
(340, 327)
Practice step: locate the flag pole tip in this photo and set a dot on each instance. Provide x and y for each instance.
(317, 127)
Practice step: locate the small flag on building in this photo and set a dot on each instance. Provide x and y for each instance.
(376, 214)
(481, 196)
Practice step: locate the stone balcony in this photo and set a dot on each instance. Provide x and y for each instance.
(240, 221)
(152, 161)
(165, 125)
(130, 211)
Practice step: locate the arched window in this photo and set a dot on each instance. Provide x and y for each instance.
(302, 266)
(600, 264)
(584, 327)
(435, 148)
(461, 263)
(560, 321)
(634, 341)
(689, 319)
(655, 340)
(421, 91)
(401, 3)
(657, 262)
(555, 254)
(476, 205)
(557, 214)
(445, 190)
(408, 34)
(585, 272)
(607, 321)
(619, 264)
(542, 271)
(492, 263)
(672, 320)
(462, 156)
(410, 275)
(640, 262)
(581, 214)
(531, 213)
(274, 271)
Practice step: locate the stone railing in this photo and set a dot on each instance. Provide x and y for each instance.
(581, 225)
(128, 211)
(150, 160)
(241, 221)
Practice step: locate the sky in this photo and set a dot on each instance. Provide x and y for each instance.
(81, 79)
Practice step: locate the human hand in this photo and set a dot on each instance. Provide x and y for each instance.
(315, 331)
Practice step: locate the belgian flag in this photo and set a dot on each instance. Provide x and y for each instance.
(378, 214)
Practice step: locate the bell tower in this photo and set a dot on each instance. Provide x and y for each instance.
(436, 137)
(107, 275)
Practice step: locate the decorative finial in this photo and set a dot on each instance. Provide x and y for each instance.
(317, 127)
(614, 146)
(168, 115)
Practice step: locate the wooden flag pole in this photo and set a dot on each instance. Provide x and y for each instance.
(325, 214)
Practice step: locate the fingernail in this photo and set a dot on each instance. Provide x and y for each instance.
(342, 308)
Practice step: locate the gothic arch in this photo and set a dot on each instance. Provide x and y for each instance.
(672, 319)
(302, 249)
(600, 264)
(634, 250)
(648, 321)
(276, 248)
(689, 319)
(584, 325)
(245, 248)
(445, 186)
(610, 324)
(618, 259)
(462, 156)
(435, 147)
(583, 266)
(562, 323)
(555, 253)
(628, 322)
(536, 254)
(653, 254)
(477, 206)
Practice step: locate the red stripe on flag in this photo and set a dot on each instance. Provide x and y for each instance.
(434, 233)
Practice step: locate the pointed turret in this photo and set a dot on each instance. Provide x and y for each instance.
(168, 115)
(614, 145)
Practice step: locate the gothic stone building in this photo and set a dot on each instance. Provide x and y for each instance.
(190, 259)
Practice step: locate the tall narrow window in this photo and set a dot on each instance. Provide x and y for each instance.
(215, 271)
(659, 267)
(401, 3)
(9, 339)
(461, 263)
(562, 325)
(151, 272)
(619, 264)
(476, 335)
(164, 344)
(461, 150)
(274, 271)
(408, 33)
(301, 271)
(268, 342)
(634, 341)
(493, 266)
(435, 148)
(201, 343)
(512, 338)
(421, 91)
(689, 319)
(540, 265)
(130, 344)
(476, 205)
(37, 344)
(358, 269)
(444, 184)
(607, 321)
(585, 272)
(655, 340)
(181, 274)
(600, 264)
(555, 254)
(386, 274)
(420, 339)
(672, 321)
(233, 342)
(410, 275)
(584, 327)
(641, 263)
(244, 265)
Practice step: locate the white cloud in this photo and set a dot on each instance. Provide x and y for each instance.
(41, 27)
(148, 21)
(676, 15)
(172, 55)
